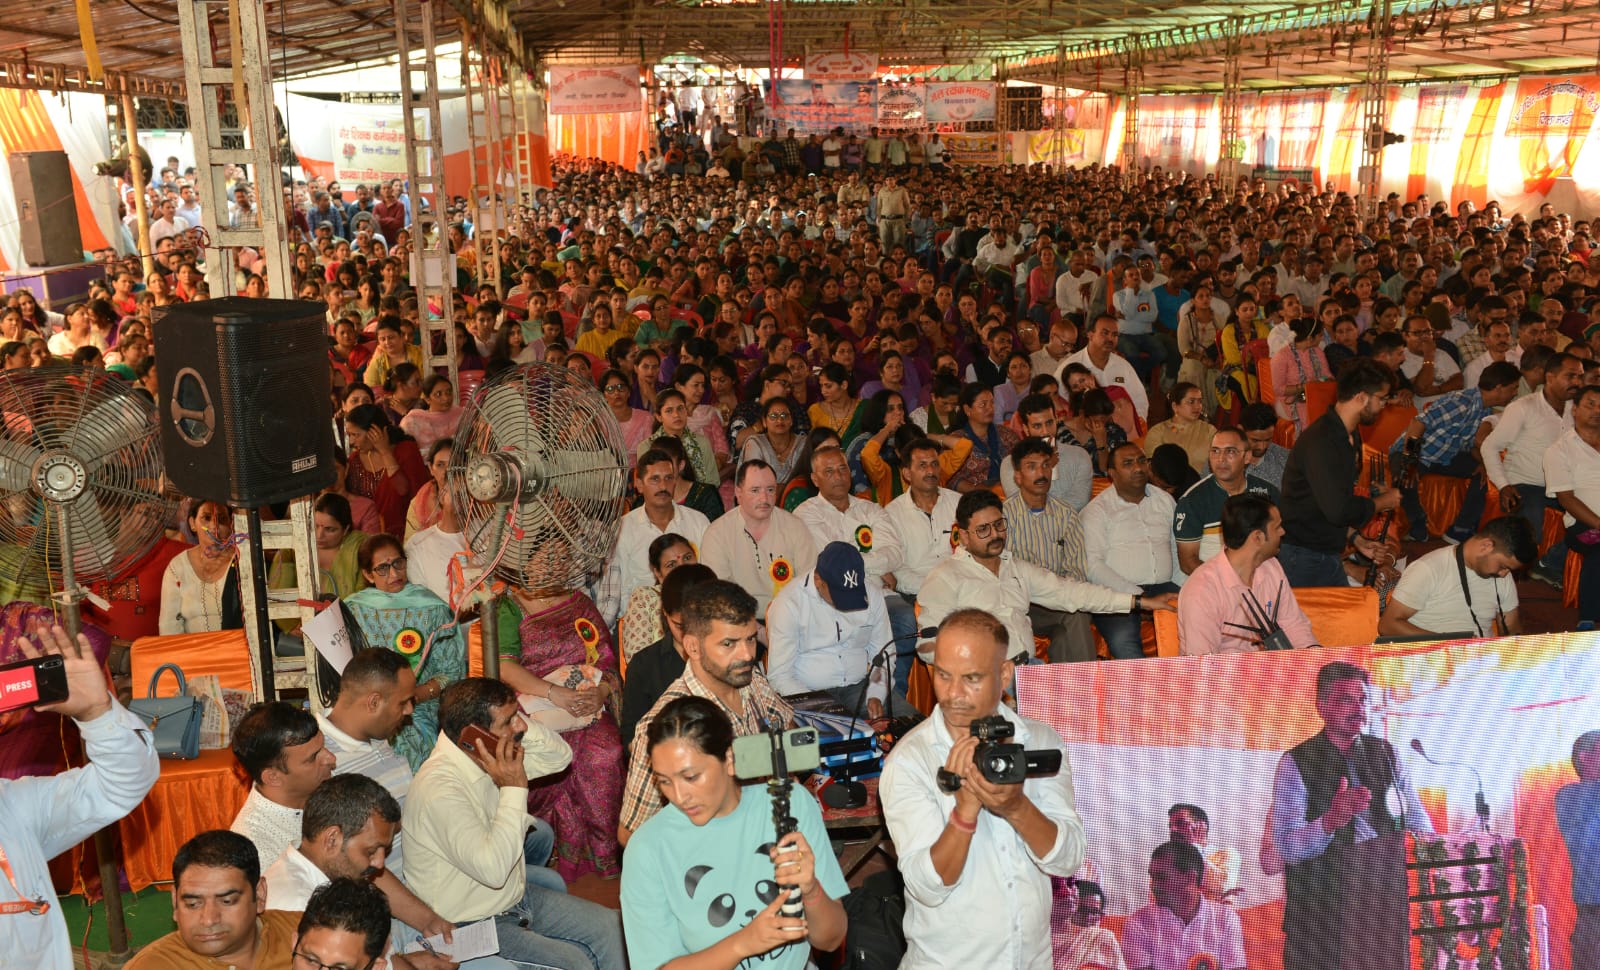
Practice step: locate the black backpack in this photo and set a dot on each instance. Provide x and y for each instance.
(876, 910)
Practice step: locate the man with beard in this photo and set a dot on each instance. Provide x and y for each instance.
(1322, 512)
(719, 645)
(1331, 792)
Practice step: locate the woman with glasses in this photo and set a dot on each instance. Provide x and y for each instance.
(397, 614)
(776, 443)
(635, 423)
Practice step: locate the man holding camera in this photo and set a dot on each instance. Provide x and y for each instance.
(981, 855)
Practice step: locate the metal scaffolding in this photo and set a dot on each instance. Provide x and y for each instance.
(1374, 111)
(227, 62)
(432, 266)
(1232, 150)
(481, 80)
(1132, 84)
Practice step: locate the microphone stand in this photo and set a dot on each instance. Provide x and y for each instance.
(845, 792)
(1480, 801)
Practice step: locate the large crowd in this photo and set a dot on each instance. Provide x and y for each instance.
(872, 405)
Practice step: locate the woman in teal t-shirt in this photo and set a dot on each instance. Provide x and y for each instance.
(706, 866)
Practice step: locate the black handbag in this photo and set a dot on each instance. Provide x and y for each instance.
(174, 721)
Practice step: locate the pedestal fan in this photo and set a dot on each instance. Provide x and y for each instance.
(538, 479)
(82, 497)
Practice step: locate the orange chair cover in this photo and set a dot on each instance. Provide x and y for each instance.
(226, 654)
(1389, 426)
(1554, 528)
(1569, 580)
(1166, 634)
(1340, 615)
(1320, 396)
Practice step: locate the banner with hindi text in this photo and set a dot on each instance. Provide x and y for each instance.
(599, 89)
(960, 101)
(819, 106)
(369, 144)
(841, 66)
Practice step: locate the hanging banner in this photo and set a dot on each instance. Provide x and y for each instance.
(1282, 130)
(981, 149)
(902, 106)
(1172, 129)
(1057, 147)
(369, 145)
(595, 90)
(825, 105)
(960, 101)
(1080, 111)
(841, 66)
(1552, 117)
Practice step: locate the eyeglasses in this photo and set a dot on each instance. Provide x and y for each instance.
(997, 528)
(392, 566)
(778, 416)
(307, 960)
(615, 387)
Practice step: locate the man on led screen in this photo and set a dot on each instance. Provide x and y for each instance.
(1331, 791)
(1578, 814)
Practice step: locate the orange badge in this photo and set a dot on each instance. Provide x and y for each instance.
(781, 571)
(864, 538)
(408, 641)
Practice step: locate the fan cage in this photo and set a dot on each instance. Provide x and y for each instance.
(570, 519)
(97, 421)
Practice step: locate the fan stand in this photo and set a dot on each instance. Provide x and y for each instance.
(489, 626)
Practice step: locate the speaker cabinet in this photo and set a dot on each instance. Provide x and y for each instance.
(243, 397)
(47, 209)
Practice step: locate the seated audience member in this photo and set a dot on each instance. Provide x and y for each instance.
(834, 515)
(1187, 428)
(1127, 536)
(654, 668)
(640, 623)
(719, 647)
(825, 631)
(960, 879)
(220, 905)
(1267, 458)
(45, 817)
(982, 574)
(756, 544)
(1445, 440)
(429, 550)
(719, 833)
(1191, 824)
(1080, 942)
(1197, 523)
(1230, 590)
(1464, 589)
(1182, 929)
(1071, 473)
(628, 567)
(282, 750)
(348, 832)
(1572, 475)
(1045, 531)
(346, 924)
(466, 822)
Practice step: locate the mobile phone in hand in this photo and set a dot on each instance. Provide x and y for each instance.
(42, 680)
(472, 734)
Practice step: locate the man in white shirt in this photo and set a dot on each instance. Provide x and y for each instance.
(1431, 372)
(826, 630)
(1127, 535)
(982, 574)
(45, 817)
(1572, 477)
(977, 861)
(1513, 452)
(1110, 369)
(1466, 588)
(282, 750)
(834, 515)
(466, 820)
(924, 519)
(1497, 346)
(169, 224)
(756, 544)
(1073, 286)
(1071, 474)
(1182, 929)
(628, 568)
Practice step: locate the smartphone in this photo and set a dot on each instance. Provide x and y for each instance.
(28, 682)
(752, 754)
(472, 734)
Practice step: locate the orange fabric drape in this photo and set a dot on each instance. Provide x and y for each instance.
(25, 126)
(1472, 168)
(614, 137)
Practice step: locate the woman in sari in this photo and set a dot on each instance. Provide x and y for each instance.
(397, 614)
(1243, 344)
(991, 442)
(555, 631)
(427, 506)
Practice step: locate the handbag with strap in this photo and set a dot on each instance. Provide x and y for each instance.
(174, 721)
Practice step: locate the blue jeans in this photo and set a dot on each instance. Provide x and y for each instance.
(1121, 630)
(1534, 502)
(537, 845)
(903, 626)
(553, 930)
(1311, 567)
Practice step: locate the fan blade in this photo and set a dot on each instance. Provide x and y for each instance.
(16, 464)
(91, 539)
(109, 426)
(591, 476)
(510, 424)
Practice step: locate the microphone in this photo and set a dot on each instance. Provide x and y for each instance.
(845, 792)
(1481, 803)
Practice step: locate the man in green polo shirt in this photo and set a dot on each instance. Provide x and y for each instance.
(1197, 523)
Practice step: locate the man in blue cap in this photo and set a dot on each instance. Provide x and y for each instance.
(825, 631)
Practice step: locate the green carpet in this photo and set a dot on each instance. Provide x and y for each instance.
(148, 914)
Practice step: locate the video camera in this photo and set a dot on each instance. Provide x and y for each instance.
(1000, 760)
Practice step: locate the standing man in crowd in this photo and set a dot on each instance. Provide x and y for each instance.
(977, 862)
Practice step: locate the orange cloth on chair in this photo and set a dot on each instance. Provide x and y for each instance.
(919, 687)
(1320, 396)
(1340, 616)
(1264, 382)
(190, 797)
(1391, 423)
(1569, 580)
(1554, 528)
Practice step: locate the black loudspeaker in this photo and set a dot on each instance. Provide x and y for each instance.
(47, 209)
(246, 416)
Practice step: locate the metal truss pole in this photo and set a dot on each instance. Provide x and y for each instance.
(1232, 152)
(240, 74)
(432, 268)
(478, 80)
(1374, 112)
(1132, 84)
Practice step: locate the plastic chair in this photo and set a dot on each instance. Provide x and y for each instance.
(1390, 425)
(1264, 382)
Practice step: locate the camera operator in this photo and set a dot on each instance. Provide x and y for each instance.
(982, 856)
(46, 816)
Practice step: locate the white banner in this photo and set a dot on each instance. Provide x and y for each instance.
(960, 101)
(595, 90)
(369, 144)
(841, 65)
